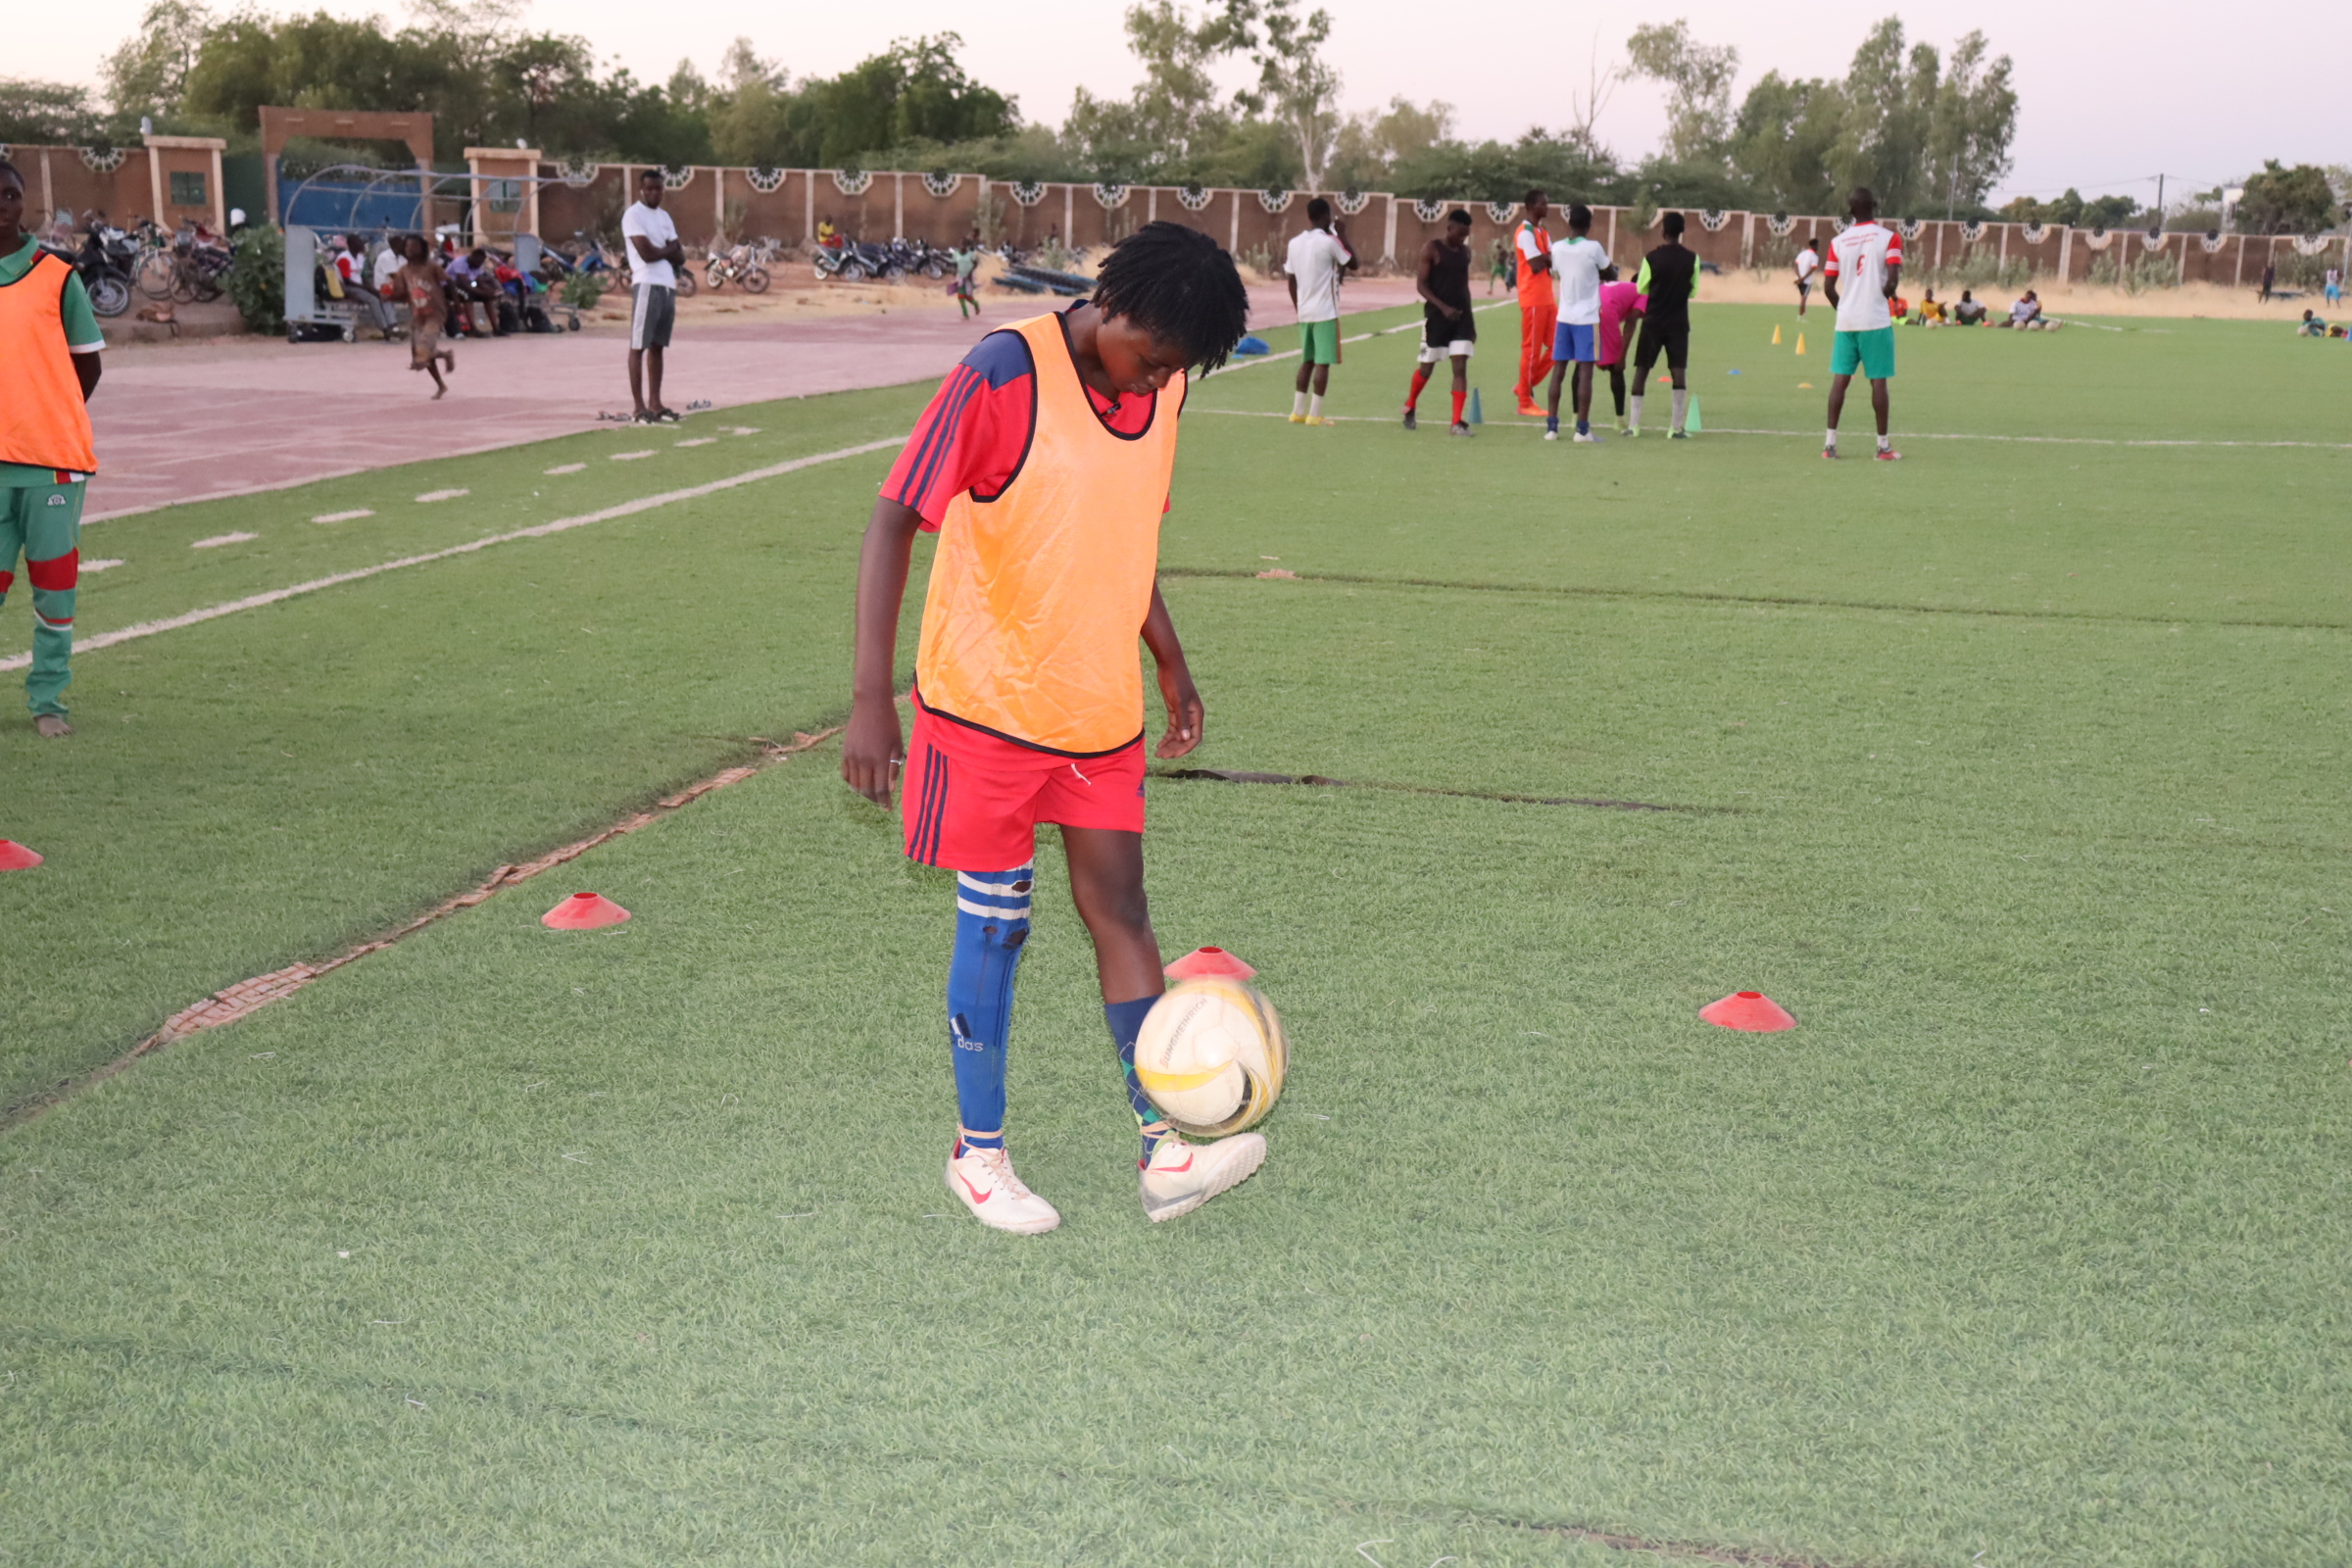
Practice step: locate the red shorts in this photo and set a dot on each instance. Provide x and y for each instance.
(971, 802)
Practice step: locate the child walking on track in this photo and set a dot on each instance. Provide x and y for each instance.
(1038, 464)
(49, 346)
(1866, 263)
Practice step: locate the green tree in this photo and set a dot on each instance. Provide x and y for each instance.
(1698, 111)
(46, 112)
(1173, 117)
(1971, 128)
(1783, 140)
(2287, 201)
(148, 71)
(1296, 83)
(1370, 147)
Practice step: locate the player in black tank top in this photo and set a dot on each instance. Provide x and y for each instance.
(1447, 327)
(1668, 279)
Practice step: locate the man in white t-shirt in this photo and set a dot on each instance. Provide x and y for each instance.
(1808, 266)
(654, 257)
(1580, 265)
(1313, 266)
(1866, 262)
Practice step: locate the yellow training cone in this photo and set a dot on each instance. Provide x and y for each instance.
(1775, 334)
(1801, 342)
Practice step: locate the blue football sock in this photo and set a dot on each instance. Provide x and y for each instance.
(992, 924)
(1126, 1020)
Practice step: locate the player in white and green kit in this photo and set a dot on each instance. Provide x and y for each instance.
(1868, 260)
(49, 348)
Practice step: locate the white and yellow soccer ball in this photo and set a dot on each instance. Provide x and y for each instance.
(1213, 1055)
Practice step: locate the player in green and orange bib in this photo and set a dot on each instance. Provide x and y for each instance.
(1043, 465)
(49, 346)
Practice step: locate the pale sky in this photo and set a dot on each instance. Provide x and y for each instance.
(2108, 98)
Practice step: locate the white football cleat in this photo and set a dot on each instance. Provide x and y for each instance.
(1180, 1177)
(983, 1178)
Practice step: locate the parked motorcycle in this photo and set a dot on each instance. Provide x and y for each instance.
(853, 261)
(742, 265)
(108, 261)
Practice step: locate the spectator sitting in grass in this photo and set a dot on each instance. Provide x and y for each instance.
(2310, 326)
(1970, 312)
(1930, 313)
(2025, 312)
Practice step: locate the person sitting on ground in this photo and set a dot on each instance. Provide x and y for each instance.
(1970, 312)
(2310, 326)
(2025, 312)
(1930, 313)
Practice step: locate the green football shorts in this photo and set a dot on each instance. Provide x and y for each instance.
(1872, 351)
(1321, 341)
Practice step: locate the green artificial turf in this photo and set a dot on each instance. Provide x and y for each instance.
(2025, 1247)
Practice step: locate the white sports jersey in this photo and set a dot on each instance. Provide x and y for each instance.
(1858, 260)
(1576, 265)
(1314, 260)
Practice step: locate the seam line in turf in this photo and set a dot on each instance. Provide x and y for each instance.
(538, 530)
(1788, 602)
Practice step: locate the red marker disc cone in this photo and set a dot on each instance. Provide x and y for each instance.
(583, 912)
(15, 856)
(1748, 1010)
(1204, 964)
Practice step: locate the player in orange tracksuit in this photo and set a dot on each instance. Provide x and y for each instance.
(1043, 463)
(1538, 307)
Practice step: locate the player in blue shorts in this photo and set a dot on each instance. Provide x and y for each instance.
(1580, 265)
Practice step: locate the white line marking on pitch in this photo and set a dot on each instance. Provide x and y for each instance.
(1908, 435)
(344, 516)
(701, 441)
(221, 539)
(626, 509)
(441, 495)
(99, 566)
(567, 467)
(629, 457)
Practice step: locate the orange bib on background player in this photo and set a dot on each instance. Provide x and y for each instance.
(1038, 594)
(44, 423)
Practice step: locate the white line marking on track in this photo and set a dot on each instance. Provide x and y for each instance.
(344, 516)
(567, 467)
(625, 509)
(431, 496)
(220, 539)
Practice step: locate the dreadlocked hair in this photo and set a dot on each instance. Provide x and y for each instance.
(1179, 285)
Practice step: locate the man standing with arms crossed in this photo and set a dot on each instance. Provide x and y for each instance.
(654, 257)
(1313, 266)
(49, 346)
(1539, 310)
(1869, 260)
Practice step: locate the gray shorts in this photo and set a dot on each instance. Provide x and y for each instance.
(651, 317)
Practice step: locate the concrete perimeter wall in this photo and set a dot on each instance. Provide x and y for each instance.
(1382, 227)
(126, 184)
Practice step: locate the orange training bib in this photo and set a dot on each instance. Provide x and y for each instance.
(1038, 594)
